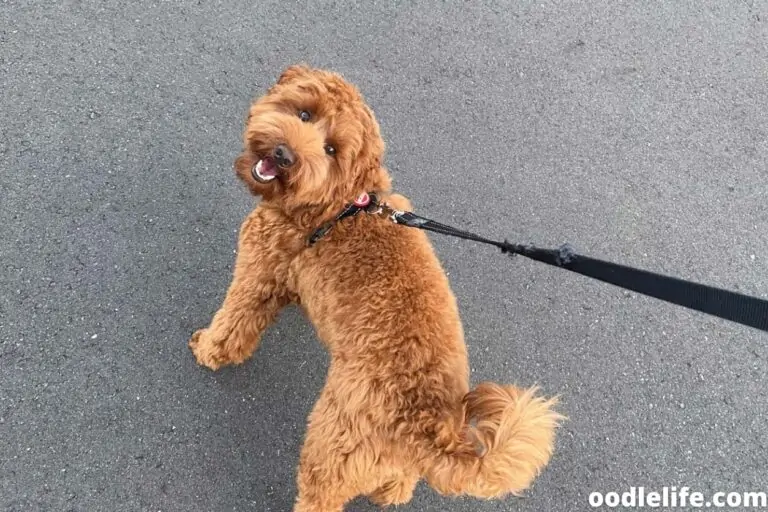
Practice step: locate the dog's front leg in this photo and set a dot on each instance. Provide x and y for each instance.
(254, 298)
(236, 328)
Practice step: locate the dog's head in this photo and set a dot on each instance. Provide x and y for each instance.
(311, 140)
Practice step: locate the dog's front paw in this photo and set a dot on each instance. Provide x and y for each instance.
(205, 350)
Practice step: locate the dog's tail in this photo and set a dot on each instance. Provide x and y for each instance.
(515, 431)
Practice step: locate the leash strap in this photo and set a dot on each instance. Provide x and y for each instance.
(736, 307)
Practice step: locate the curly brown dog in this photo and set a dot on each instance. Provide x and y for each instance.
(396, 406)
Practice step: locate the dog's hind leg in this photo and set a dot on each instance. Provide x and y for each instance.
(395, 492)
(337, 461)
(323, 480)
(255, 296)
(324, 485)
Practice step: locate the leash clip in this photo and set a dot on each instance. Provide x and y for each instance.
(396, 216)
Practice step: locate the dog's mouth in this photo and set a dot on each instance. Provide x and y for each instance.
(265, 170)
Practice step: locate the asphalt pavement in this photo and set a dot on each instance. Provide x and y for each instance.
(636, 131)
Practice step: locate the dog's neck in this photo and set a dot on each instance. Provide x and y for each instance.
(308, 216)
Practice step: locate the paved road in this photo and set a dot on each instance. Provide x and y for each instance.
(636, 132)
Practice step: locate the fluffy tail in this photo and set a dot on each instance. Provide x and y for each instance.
(515, 429)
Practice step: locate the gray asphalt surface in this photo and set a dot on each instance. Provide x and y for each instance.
(636, 131)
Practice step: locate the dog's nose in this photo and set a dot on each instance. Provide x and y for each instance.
(284, 156)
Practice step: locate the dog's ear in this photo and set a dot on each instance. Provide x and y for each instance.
(293, 72)
(368, 173)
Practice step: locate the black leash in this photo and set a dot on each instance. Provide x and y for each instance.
(736, 307)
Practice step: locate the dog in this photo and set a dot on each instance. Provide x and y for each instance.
(396, 407)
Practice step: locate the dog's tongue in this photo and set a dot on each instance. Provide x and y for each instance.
(268, 168)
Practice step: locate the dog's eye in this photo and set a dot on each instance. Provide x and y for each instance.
(304, 115)
(330, 150)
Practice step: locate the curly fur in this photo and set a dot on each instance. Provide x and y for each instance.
(396, 406)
